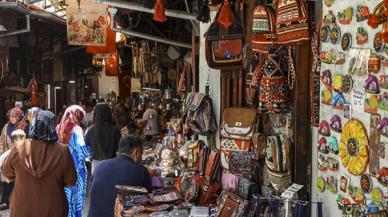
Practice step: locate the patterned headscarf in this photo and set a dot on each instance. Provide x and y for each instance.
(43, 127)
(72, 118)
(34, 112)
(19, 115)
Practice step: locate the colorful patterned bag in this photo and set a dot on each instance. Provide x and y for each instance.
(292, 25)
(263, 29)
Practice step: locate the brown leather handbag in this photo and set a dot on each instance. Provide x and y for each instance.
(208, 186)
(231, 205)
(224, 46)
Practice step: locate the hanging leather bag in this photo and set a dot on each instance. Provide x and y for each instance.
(263, 29)
(224, 46)
(231, 205)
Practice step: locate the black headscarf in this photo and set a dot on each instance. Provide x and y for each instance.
(103, 137)
(43, 127)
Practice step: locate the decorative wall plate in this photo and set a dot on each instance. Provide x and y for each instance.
(347, 83)
(344, 182)
(326, 96)
(324, 128)
(378, 42)
(353, 147)
(328, 3)
(377, 196)
(335, 34)
(361, 36)
(332, 145)
(346, 41)
(329, 19)
(335, 124)
(345, 17)
(366, 183)
(382, 176)
(325, 32)
(371, 104)
(337, 83)
(332, 164)
(374, 63)
(326, 79)
(320, 184)
(338, 101)
(372, 85)
(362, 13)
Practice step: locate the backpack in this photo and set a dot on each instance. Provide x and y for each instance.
(200, 116)
(263, 29)
(292, 25)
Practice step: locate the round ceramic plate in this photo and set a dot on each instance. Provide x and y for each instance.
(346, 42)
(366, 183)
(335, 35)
(325, 31)
(320, 184)
(347, 83)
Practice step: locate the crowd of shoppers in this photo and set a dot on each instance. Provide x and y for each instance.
(43, 164)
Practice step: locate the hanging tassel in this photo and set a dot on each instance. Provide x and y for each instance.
(204, 13)
(226, 15)
(159, 14)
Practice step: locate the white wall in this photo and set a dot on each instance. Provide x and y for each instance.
(107, 84)
(330, 205)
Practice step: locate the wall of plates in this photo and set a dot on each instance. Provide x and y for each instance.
(351, 157)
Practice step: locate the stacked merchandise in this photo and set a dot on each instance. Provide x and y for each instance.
(351, 158)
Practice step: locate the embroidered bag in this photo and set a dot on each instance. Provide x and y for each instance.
(278, 154)
(200, 116)
(194, 154)
(291, 22)
(263, 28)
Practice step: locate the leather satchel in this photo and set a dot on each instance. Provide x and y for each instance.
(240, 162)
(194, 155)
(247, 188)
(238, 123)
(231, 205)
(224, 46)
(208, 186)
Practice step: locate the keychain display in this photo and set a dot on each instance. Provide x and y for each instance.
(345, 17)
(353, 147)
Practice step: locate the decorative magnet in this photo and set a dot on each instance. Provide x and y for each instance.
(344, 181)
(353, 147)
(361, 36)
(383, 80)
(383, 127)
(325, 32)
(338, 101)
(328, 3)
(372, 85)
(347, 83)
(332, 163)
(377, 196)
(381, 150)
(362, 13)
(357, 194)
(383, 101)
(366, 183)
(374, 63)
(329, 19)
(346, 41)
(337, 83)
(333, 57)
(320, 184)
(378, 42)
(345, 17)
(332, 184)
(326, 79)
(382, 176)
(377, 17)
(335, 124)
(326, 96)
(324, 128)
(335, 34)
(332, 145)
(321, 145)
(371, 104)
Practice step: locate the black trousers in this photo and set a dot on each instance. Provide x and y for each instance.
(7, 189)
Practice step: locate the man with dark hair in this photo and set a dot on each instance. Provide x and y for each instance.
(121, 170)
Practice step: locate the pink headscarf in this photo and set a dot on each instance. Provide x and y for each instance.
(19, 115)
(72, 118)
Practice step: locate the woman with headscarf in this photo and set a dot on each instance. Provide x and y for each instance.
(41, 168)
(16, 122)
(71, 133)
(31, 115)
(103, 137)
